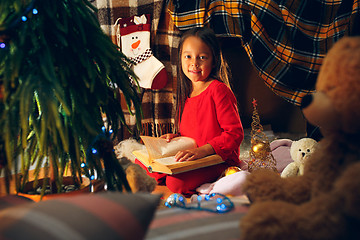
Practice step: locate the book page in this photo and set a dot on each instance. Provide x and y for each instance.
(160, 148)
(167, 160)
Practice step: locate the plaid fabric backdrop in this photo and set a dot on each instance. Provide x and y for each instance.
(157, 104)
(286, 40)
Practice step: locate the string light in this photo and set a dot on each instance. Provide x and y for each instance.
(91, 177)
(103, 128)
(2, 45)
(26, 13)
(214, 202)
(92, 150)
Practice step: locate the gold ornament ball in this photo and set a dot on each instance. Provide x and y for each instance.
(258, 147)
(231, 170)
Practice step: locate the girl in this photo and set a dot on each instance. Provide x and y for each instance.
(206, 111)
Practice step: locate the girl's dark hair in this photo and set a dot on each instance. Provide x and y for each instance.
(220, 70)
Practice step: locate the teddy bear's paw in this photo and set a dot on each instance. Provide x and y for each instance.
(269, 221)
(290, 170)
(262, 185)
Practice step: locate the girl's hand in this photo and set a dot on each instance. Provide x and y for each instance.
(193, 154)
(169, 136)
(187, 155)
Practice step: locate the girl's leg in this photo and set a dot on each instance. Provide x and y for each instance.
(187, 182)
(159, 177)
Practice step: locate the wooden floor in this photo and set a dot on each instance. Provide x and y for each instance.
(162, 190)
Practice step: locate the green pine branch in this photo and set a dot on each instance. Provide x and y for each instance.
(58, 71)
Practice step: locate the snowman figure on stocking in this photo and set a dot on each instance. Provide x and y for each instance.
(133, 37)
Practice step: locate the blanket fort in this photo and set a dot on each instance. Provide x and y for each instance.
(285, 40)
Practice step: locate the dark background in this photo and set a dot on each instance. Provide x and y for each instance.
(275, 112)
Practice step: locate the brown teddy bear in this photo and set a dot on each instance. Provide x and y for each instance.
(324, 203)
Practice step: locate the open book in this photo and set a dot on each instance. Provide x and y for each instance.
(159, 155)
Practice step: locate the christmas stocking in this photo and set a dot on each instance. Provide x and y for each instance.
(133, 37)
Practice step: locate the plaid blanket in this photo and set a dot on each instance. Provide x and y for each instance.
(286, 40)
(157, 105)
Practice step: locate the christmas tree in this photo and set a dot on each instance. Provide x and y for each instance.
(260, 152)
(60, 75)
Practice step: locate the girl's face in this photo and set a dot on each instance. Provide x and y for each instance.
(196, 59)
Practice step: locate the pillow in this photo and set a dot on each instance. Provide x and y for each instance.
(227, 185)
(178, 223)
(13, 200)
(106, 215)
(280, 149)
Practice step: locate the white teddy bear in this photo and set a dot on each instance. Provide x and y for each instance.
(300, 151)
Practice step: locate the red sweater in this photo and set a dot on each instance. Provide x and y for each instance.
(212, 117)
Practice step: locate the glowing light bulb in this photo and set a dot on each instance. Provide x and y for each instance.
(232, 170)
(24, 18)
(258, 147)
(2, 45)
(35, 11)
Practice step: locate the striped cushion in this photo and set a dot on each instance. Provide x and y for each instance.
(13, 200)
(177, 223)
(106, 215)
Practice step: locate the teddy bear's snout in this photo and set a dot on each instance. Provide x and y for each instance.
(306, 101)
